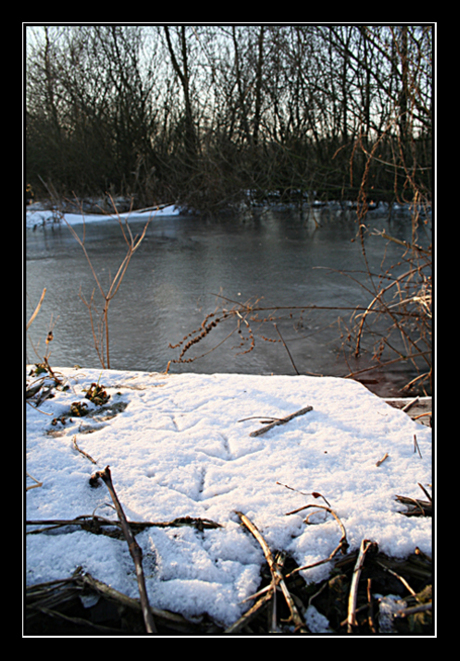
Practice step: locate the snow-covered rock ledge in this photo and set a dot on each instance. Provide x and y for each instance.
(177, 447)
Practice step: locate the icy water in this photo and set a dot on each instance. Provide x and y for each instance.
(175, 277)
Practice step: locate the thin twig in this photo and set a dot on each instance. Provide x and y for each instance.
(342, 545)
(85, 454)
(385, 456)
(421, 507)
(410, 404)
(251, 613)
(416, 446)
(276, 573)
(286, 347)
(425, 492)
(315, 494)
(94, 522)
(280, 421)
(134, 548)
(34, 486)
(370, 609)
(39, 304)
(400, 578)
(365, 545)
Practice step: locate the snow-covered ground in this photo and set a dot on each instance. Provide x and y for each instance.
(177, 446)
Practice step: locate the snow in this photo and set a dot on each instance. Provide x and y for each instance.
(37, 216)
(177, 446)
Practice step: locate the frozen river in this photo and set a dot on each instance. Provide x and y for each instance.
(173, 279)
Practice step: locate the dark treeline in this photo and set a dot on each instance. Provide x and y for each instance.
(200, 115)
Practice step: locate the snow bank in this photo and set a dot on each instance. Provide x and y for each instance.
(176, 448)
(37, 216)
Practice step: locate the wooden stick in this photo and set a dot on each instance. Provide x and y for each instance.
(400, 578)
(416, 446)
(94, 522)
(251, 613)
(276, 573)
(39, 304)
(410, 404)
(353, 596)
(380, 461)
(134, 548)
(85, 454)
(281, 421)
(424, 491)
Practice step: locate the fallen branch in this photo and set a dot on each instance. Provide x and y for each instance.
(366, 544)
(280, 421)
(93, 523)
(134, 548)
(277, 575)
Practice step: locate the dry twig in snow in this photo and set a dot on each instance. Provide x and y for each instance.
(277, 575)
(134, 548)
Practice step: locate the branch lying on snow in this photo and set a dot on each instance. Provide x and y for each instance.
(278, 421)
(134, 548)
(95, 524)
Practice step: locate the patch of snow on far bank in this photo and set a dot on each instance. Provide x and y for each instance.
(37, 216)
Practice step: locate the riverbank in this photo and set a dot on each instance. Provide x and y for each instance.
(43, 213)
(189, 448)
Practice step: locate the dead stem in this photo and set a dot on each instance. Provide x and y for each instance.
(85, 454)
(134, 548)
(36, 311)
(342, 545)
(286, 347)
(34, 486)
(132, 244)
(280, 421)
(277, 575)
(365, 545)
